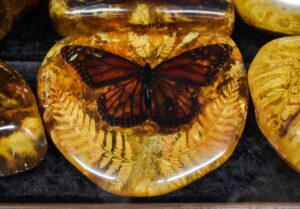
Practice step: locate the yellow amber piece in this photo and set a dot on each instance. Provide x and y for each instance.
(76, 17)
(282, 16)
(10, 11)
(151, 153)
(274, 80)
(22, 141)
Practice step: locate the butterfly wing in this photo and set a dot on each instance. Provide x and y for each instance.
(173, 104)
(123, 103)
(98, 68)
(174, 98)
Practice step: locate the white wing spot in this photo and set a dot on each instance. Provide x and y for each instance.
(73, 57)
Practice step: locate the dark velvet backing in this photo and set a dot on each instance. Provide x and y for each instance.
(253, 173)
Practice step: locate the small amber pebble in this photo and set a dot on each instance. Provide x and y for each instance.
(10, 11)
(144, 114)
(274, 80)
(281, 16)
(76, 17)
(22, 141)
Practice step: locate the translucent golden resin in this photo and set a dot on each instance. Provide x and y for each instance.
(22, 141)
(10, 11)
(76, 17)
(274, 79)
(281, 16)
(144, 114)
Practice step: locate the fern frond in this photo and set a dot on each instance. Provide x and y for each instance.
(216, 125)
(77, 132)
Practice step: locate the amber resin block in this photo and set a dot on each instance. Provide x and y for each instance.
(22, 141)
(281, 16)
(274, 81)
(10, 11)
(144, 114)
(77, 17)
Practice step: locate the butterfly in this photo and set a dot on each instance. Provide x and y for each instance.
(167, 94)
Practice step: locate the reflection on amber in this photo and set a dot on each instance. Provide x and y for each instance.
(10, 11)
(22, 140)
(146, 159)
(73, 17)
(282, 16)
(274, 81)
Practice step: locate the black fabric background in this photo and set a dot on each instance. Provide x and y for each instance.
(253, 173)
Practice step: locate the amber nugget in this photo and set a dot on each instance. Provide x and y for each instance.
(75, 17)
(10, 11)
(103, 120)
(282, 16)
(274, 80)
(22, 141)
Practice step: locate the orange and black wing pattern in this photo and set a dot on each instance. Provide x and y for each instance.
(123, 104)
(175, 98)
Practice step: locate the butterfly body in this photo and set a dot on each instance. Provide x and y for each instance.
(147, 80)
(167, 94)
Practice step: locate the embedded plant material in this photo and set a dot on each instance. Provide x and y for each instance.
(281, 16)
(274, 84)
(22, 140)
(147, 157)
(75, 17)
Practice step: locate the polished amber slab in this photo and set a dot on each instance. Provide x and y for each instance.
(144, 114)
(274, 83)
(22, 141)
(10, 11)
(76, 17)
(281, 16)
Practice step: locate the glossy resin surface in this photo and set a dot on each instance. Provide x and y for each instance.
(274, 83)
(281, 16)
(10, 11)
(136, 138)
(75, 17)
(22, 141)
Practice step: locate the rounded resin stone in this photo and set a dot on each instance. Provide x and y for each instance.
(274, 81)
(10, 11)
(144, 114)
(77, 17)
(22, 141)
(281, 16)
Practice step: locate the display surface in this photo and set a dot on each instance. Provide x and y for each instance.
(150, 112)
(274, 83)
(10, 11)
(22, 141)
(73, 17)
(282, 16)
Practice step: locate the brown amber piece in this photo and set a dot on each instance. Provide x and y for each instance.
(282, 16)
(76, 17)
(144, 114)
(22, 141)
(10, 11)
(274, 80)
